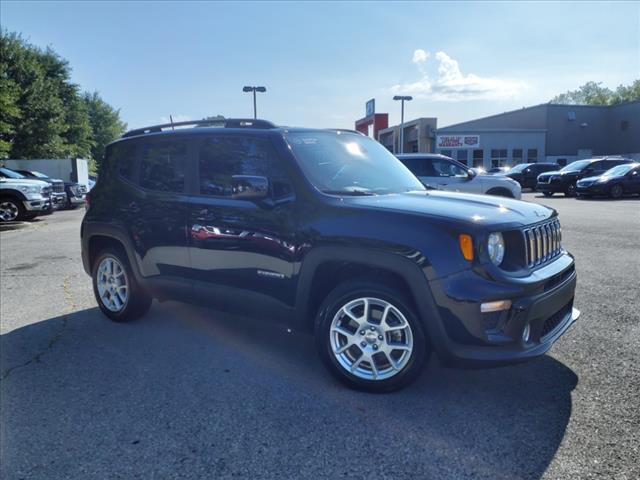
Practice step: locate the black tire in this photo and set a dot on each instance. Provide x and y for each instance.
(352, 290)
(10, 204)
(138, 301)
(570, 191)
(548, 194)
(616, 191)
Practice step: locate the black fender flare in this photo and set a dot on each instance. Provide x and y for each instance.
(411, 272)
(115, 232)
(500, 191)
(13, 193)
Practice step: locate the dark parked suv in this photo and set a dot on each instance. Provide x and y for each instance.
(526, 174)
(565, 180)
(327, 231)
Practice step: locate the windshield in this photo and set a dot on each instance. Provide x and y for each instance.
(619, 170)
(39, 174)
(518, 168)
(576, 166)
(351, 164)
(5, 172)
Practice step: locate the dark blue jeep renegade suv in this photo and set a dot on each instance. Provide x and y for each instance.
(329, 232)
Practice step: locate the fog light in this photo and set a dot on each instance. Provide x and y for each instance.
(526, 333)
(495, 306)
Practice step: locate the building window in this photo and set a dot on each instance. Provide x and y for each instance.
(478, 158)
(462, 156)
(414, 147)
(517, 155)
(532, 155)
(446, 153)
(562, 161)
(498, 157)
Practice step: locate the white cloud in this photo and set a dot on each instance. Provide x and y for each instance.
(450, 84)
(420, 56)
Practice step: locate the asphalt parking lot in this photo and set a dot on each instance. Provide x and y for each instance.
(187, 392)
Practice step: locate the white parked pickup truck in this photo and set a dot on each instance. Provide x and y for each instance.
(443, 173)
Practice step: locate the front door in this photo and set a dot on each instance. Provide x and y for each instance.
(241, 250)
(444, 174)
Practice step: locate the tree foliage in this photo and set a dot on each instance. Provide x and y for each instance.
(593, 93)
(105, 123)
(42, 113)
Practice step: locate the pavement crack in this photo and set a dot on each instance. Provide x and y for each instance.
(71, 306)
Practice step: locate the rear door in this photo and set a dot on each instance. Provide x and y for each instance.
(242, 251)
(156, 211)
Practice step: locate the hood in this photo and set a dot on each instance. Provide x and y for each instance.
(464, 207)
(23, 181)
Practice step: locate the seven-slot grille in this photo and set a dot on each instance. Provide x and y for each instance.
(542, 242)
(58, 187)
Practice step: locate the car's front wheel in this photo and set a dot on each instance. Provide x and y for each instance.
(370, 338)
(616, 191)
(118, 294)
(11, 210)
(571, 190)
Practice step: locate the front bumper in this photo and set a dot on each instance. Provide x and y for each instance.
(551, 187)
(543, 302)
(59, 199)
(593, 189)
(37, 204)
(78, 199)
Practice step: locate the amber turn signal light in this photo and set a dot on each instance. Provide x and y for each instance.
(466, 246)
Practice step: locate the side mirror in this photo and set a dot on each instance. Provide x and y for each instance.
(249, 187)
(471, 174)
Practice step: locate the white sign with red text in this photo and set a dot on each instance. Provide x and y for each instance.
(458, 141)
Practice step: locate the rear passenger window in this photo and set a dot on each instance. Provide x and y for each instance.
(163, 166)
(222, 157)
(420, 167)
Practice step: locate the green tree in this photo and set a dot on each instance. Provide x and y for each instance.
(9, 110)
(105, 123)
(593, 93)
(627, 93)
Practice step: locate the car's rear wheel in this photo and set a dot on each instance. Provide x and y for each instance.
(118, 294)
(616, 191)
(369, 337)
(11, 210)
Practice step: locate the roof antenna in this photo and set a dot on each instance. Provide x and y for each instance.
(171, 118)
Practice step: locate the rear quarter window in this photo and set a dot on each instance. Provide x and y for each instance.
(122, 158)
(163, 165)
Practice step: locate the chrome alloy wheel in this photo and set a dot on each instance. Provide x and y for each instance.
(111, 281)
(8, 211)
(371, 339)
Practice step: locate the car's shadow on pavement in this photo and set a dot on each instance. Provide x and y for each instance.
(191, 393)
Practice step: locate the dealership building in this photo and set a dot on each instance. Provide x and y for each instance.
(542, 133)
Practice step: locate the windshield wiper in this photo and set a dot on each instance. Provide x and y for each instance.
(353, 192)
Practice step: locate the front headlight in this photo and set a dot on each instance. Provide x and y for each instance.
(30, 189)
(495, 247)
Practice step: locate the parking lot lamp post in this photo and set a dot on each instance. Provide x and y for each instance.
(254, 90)
(402, 99)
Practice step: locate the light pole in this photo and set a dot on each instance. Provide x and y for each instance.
(254, 90)
(402, 99)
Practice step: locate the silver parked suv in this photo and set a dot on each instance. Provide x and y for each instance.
(22, 198)
(443, 173)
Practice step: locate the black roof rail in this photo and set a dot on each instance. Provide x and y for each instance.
(211, 122)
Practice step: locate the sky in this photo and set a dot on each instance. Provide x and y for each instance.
(321, 62)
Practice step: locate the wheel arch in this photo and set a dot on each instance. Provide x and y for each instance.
(325, 267)
(96, 238)
(500, 191)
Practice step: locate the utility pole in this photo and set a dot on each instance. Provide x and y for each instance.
(402, 99)
(254, 90)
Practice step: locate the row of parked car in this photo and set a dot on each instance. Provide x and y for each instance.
(603, 176)
(26, 194)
